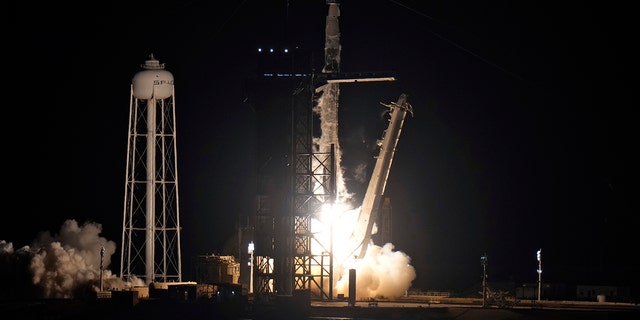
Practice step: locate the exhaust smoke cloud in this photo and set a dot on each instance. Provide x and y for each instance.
(60, 266)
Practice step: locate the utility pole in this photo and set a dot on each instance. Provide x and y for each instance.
(539, 257)
(483, 262)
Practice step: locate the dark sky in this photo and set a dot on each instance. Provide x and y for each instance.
(520, 139)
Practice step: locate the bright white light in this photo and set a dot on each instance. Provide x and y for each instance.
(539, 254)
(259, 49)
(271, 50)
(286, 50)
(251, 247)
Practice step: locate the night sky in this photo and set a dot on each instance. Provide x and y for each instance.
(520, 139)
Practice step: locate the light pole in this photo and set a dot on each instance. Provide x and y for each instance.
(539, 257)
(251, 247)
(101, 267)
(483, 262)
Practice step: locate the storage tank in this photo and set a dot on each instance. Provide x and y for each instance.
(153, 82)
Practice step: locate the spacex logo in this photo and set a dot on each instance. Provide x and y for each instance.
(161, 82)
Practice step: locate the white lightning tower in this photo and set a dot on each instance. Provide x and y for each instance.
(151, 222)
(539, 270)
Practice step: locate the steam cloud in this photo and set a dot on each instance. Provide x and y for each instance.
(65, 265)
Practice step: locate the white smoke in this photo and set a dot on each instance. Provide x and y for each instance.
(68, 264)
(381, 273)
(327, 110)
(360, 172)
(6, 247)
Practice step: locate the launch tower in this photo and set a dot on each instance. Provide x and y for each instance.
(287, 258)
(151, 219)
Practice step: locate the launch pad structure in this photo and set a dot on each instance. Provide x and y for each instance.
(282, 232)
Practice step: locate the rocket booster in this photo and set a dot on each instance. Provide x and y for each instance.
(332, 39)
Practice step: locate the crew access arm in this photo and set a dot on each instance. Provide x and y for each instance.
(373, 197)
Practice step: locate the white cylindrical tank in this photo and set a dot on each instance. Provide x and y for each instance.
(153, 82)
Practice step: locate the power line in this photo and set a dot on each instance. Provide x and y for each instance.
(451, 42)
